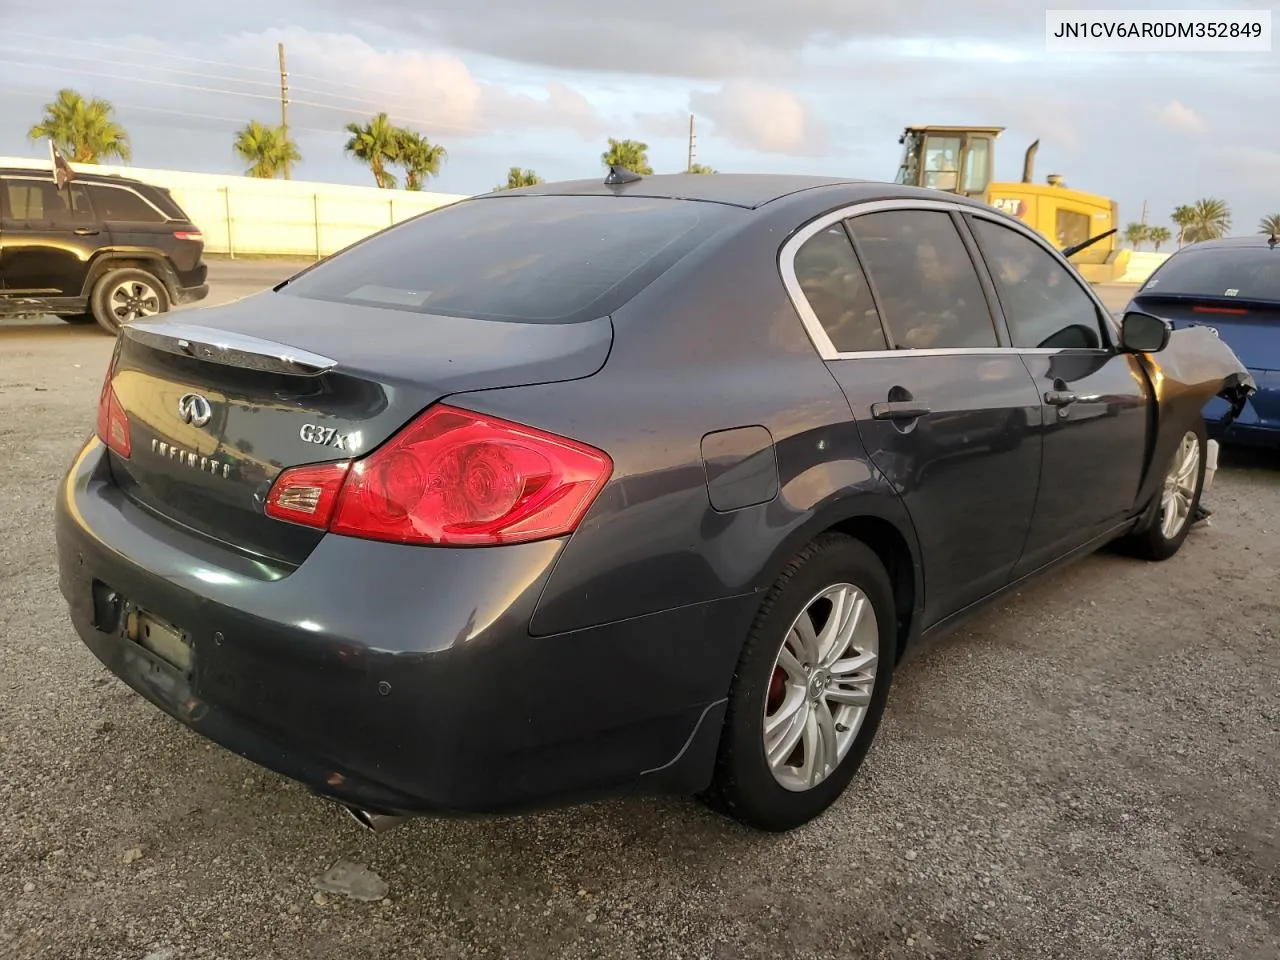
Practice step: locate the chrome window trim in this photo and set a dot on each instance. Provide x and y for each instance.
(87, 184)
(818, 335)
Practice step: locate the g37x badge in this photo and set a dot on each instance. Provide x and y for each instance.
(324, 436)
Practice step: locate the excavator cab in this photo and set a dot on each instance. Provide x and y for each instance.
(952, 159)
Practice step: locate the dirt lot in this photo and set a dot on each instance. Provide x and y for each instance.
(1092, 769)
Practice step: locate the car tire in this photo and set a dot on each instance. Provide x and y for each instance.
(767, 683)
(123, 296)
(1173, 512)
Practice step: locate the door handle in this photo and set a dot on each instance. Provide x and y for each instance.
(86, 232)
(1060, 398)
(899, 410)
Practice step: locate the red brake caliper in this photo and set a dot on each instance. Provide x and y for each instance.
(777, 689)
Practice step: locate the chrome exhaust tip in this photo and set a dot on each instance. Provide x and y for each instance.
(377, 822)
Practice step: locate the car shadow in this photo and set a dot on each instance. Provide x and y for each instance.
(1248, 458)
(52, 327)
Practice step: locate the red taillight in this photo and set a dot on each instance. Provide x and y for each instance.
(188, 235)
(453, 478)
(113, 425)
(307, 494)
(1236, 311)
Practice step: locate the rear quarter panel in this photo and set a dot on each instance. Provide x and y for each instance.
(713, 345)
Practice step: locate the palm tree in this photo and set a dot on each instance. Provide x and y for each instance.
(1182, 217)
(1210, 220)
(82, 129)
(376, 143)
(1270, 225)
(699, 168)
(1159, 235)
(517, 178)
(1136, 233)
(631, 154)
(267, 150)
(420, 158)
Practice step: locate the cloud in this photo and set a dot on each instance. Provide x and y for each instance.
(761, 117)
(825, 88)
(432, 92)
(670, 123)
(702, 38)
(1175, 116)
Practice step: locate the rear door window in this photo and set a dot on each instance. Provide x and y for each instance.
(123, 205)
(925, 281)
(527, 259)
(836, 289)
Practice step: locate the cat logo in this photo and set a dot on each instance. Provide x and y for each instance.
(1011, 206)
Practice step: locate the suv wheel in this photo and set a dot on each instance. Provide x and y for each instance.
(810, 687)
(123, 296)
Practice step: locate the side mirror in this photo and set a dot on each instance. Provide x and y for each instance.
(1143, 333)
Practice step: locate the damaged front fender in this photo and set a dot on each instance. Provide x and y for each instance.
(1195, 366)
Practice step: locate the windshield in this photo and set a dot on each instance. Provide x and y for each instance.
(1250, 273)
(528, 259)
(942, 163)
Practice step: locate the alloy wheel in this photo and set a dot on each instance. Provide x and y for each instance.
(133, 300)
(821, 686)
(1180, 486)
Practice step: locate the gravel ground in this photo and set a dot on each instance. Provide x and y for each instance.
(1090, 769)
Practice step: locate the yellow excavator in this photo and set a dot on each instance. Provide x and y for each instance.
(961, 160)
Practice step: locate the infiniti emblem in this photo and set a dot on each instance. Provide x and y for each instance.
(194, 409)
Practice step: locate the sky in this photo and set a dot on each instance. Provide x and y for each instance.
(810, 86)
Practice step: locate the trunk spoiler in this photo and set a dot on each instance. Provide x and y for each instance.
(229, 349)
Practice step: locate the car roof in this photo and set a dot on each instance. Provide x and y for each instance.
(1228, 243)
(41, 173)
(749, 190)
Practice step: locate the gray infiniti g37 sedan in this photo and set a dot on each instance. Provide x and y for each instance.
(632, 484)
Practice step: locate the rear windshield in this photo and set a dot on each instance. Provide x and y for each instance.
(529, 259)
(1251, 273)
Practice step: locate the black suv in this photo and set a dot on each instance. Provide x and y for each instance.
(105, 248)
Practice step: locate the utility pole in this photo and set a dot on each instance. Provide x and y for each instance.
(1144, 213)
(284, 102)
(689, 169)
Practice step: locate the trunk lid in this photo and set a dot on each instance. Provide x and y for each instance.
(216, 411)
(1251, 328)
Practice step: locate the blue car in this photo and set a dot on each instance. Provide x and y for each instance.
(1232, 286)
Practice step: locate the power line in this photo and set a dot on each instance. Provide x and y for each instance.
(145, 66)
(419, 121)
(161, 83)
(213, 76)
(143, 52)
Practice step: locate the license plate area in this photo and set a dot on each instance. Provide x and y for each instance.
(160, 638)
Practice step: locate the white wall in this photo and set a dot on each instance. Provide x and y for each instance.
(248, 215)
(1141, 265)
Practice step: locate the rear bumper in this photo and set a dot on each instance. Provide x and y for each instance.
(397, 679)
(1258, 424)
(183, 295)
